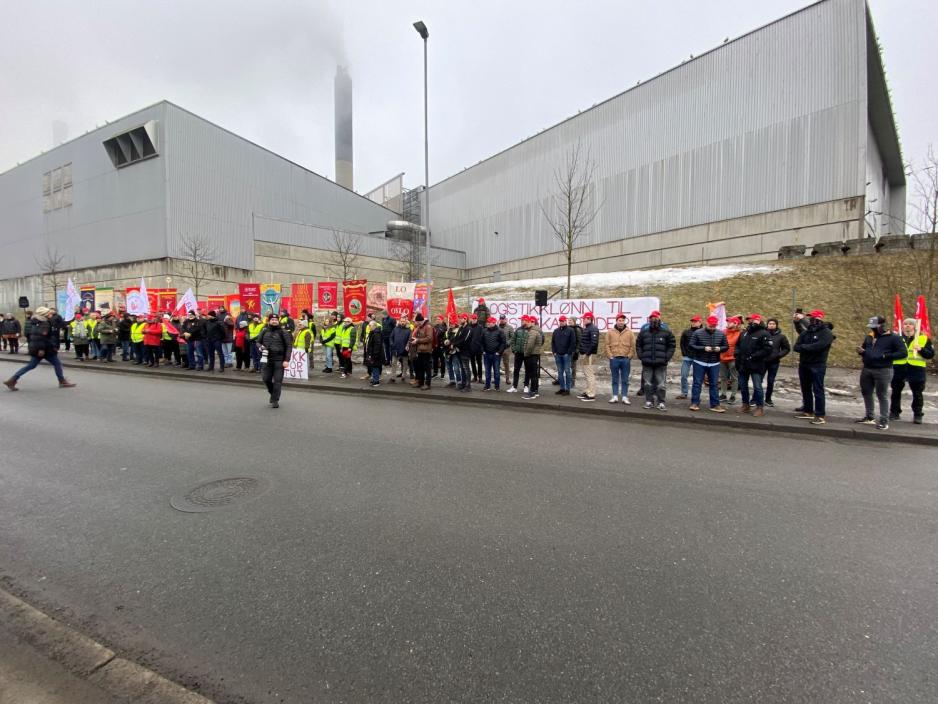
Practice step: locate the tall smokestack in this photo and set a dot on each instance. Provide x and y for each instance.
(343, 128)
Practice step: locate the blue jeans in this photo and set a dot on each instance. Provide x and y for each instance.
(138, 352)
(95, 349)
(330, 356)
(620, 368)
(713, 374)
(453, 370)
(36, 361)
(812, 388)
(687, 365)
(564, 364)
(492, 362)
(227, 347)
(194, 354)
(376, 373)
(256, 356)
(758, 399)
(211, 349)
(126, 350)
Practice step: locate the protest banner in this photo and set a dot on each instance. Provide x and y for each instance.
(250, 297)
(401, 299)
(286, 304)
(165, 299)
(87, 298)
(270, 298)
(138, 300)
(421, 296)
(104, 299)
(298, 367)
(354, 295)
(301, 298)
(327, 295)
(187, 303)
(233, 304)
(605, 310)
(377, 297)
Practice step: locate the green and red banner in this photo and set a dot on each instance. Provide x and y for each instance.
(355, 295)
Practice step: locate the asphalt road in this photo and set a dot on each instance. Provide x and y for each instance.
(432, 553)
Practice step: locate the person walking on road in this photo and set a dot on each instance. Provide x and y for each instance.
(589, 348)
(620, 347)
(880, 349)
(911, 370)
(563, 345)
(533, 344)
(813, 346)
(781, 348)
(42, 345)
(707, 345)
(752, 351)
(687, 354)
(655, 346)
(276, 345)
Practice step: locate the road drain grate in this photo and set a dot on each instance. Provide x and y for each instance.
(219, 494)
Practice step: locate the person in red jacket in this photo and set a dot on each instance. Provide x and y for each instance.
(152, 337)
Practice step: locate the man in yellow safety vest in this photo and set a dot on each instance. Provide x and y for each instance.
(328, 337)
(911, 370)
(136, 338)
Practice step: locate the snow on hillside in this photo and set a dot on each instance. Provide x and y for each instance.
(671, 276)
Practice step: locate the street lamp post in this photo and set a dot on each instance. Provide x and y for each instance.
(425, 33)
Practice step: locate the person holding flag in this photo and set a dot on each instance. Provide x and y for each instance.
(911, 370)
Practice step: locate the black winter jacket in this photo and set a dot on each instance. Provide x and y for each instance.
(374, 350)
(475, 338)
(753, 349)
(123, 328)
(400, 336)
(814, 344)
(879, 352)
(703, 338)
(493, 340)
(212, 330)
(655, 347)
(10, 327)
(388, 325)
(589, 339)
(563, 340)
(462, 342)
(42, 338)
(686, 351)
(780, 346)
(278, 343)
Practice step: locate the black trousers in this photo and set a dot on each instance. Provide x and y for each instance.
(14, 344)
(242, 358)
(345, 363)
(439, 363)
(519, 364)
(171, 351)
(464, 367)
(532, 367)
(913, 376)
(475, 361)
(272, 376)
(424, 368)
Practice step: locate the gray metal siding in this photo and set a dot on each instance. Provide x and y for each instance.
(303, 235)
(217, 180)
(116, 215)
(767, 122)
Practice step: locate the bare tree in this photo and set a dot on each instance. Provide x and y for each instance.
(52, 264)
(407, 255)
(924, 196)
(346, 252)
(198, 255)
(571, 209)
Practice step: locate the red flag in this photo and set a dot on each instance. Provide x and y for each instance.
(354, 293)
(921, 317)
(250, 297)
(897, 316)
(327, 297)
(301, 298)
(450, 306)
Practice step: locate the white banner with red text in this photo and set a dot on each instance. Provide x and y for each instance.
(605, 310)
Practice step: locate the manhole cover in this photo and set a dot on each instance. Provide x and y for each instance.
(220, 493)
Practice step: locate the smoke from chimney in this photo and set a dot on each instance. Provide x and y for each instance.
(343, 128)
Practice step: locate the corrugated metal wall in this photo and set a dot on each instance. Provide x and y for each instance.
(116, 215)
(303, 235)
(217, 180)
(773, 120)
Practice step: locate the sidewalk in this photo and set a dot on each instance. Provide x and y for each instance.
(779, 419)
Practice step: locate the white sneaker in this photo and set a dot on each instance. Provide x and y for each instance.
(614, 399)
(511, 390)
(527, 389)
(648, 405)
(661, 407)
(625, 400)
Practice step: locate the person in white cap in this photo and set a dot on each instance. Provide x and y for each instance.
(43, 345)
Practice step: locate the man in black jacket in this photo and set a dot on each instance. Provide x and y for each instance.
(563, 345)
(461, 345)
(780, 349)
(879, 350)
(123, 336)
(752, 351)
(687, 354)
(655, 346)
(813, 345)
(707, 344)
(276, 347)
(493, 344)
(192, 335)
(475, 347)
(43, 345)
(439, 358)
(588, 348)
(213, 340)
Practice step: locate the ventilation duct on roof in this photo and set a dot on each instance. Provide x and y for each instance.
(134, 145)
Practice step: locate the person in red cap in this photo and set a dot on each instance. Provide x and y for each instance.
(453, 370)
(482, 312)
(517, 349)
(655, 346)
(475, 347)
(813, 346)
(729, 379)
(780, 348)
(152, 334)
(687, 354)
(461, 345)
(707, 344)
(589, 348)
(533, 344)
(439, 358)
(752, 352)
(509, 331)
(563, 345)
(620, 348)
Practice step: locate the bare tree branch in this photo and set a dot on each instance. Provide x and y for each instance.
(571, 209)
(198, 255)
(924, 196)
(51, 265)
(346, 251)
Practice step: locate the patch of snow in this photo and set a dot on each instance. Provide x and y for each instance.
(644, 277)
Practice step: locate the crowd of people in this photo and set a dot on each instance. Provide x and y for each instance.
(479, 348)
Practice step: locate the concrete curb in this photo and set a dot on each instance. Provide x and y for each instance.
(704, 419)
(89, 659)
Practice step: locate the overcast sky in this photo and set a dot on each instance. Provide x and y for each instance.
(499, 71)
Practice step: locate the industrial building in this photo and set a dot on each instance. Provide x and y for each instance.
(782, 136)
